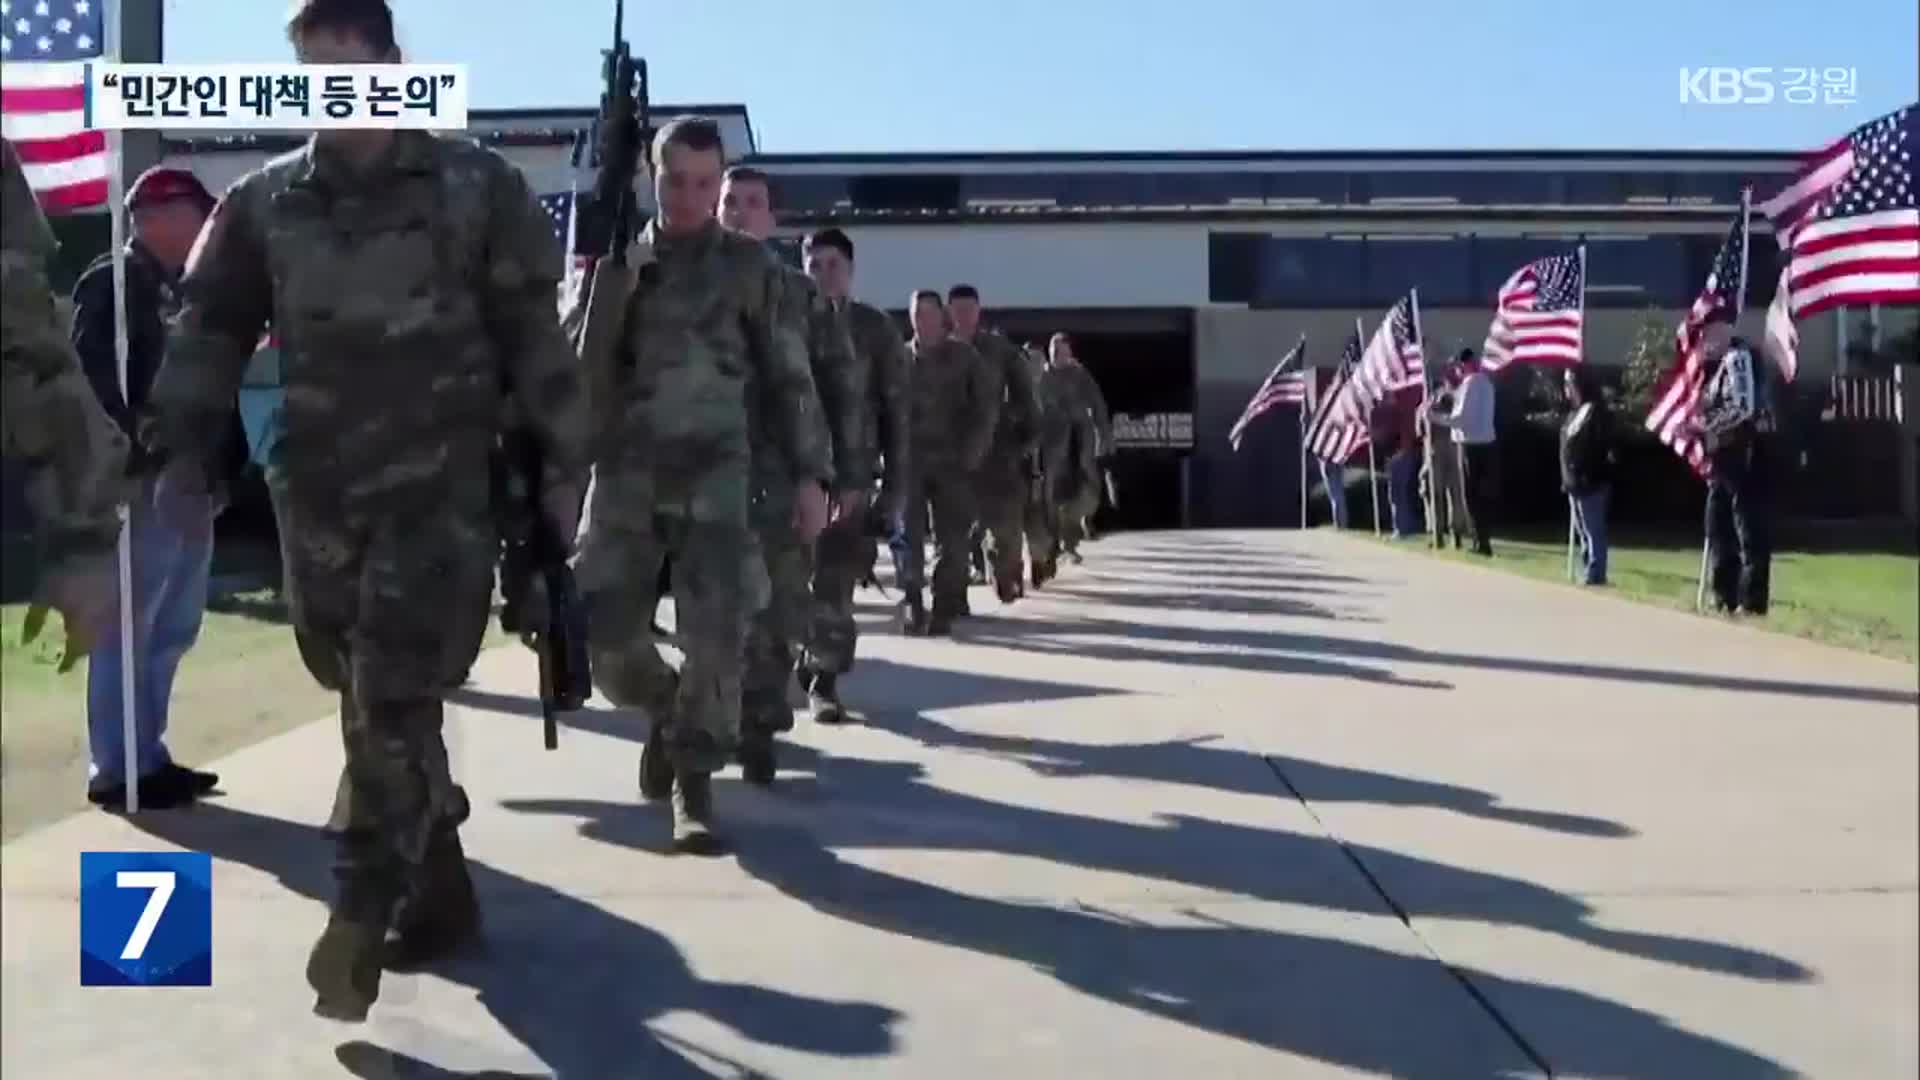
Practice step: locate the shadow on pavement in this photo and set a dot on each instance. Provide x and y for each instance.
(1198, 596)
(573, 983)
(1328, 999)
(1190, 761)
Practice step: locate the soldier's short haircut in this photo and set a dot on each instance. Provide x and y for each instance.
(833, 238)
(1062, 337)
(963, 292)
(698, 133)
(928, 294)
(369, 20)
(745, 174)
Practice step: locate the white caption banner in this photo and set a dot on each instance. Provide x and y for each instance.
(276, 97)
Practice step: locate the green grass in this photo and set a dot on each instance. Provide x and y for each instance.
(242, 682)
(1867, 599)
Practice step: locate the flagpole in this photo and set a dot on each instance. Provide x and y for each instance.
(1571, 519)
(1739, 308)
(116, 215)
(1309, 387)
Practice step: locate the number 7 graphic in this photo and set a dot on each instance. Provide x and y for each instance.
(161, 882)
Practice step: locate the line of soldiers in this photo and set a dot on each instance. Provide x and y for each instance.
(701, 405)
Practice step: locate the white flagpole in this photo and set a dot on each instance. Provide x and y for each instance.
(1577, 360)
(116, 213)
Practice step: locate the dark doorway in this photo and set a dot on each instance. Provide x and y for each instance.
(1143, 361)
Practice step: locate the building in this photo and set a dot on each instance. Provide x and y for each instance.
(1184, 276)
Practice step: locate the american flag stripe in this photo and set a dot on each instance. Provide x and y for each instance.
(1271, 392)
(1328, 437)
(1677, 397)
(1538, 315)
(43, 100)
(1392, 359)
(1852, 220)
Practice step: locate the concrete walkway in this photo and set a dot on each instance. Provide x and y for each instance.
(1219, 805)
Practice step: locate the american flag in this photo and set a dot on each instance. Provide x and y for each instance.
(1281, 387)
(1851, 221)
(1676, 404)
(43, 91)
(1328, 437)
(1392, 360)
(1538, 315)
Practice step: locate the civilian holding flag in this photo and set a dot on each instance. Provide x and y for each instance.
(1468, 414)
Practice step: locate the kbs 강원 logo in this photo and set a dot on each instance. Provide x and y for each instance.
(146, 918)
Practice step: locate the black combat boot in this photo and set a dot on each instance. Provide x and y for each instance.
(913, 614)
(823, 699)
(1007, 588)
(759, 761)
(656, 770)
(441, 914)
(693, 830)
(343, 967)
(941, 624)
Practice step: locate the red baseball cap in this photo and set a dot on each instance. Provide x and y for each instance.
(161, 184)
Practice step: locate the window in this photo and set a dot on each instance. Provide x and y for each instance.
(1646, 186)
(1764, 262)
(1510, 188)
(1325, 187)
(1232, 265)
(1593, 188)
(1100, 189)
(1707, 187)
(1635, 272)
(1441, 268)
(1010, 186)
(1197, 189)
(1312, 273)
(930, 191)
(1386, 185)
(800, 194)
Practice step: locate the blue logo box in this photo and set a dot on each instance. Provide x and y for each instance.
(146, 918)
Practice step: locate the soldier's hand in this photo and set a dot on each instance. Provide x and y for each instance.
(809, 510)
(87, 597)
(183, 500)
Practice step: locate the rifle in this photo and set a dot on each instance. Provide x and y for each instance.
(542, 601)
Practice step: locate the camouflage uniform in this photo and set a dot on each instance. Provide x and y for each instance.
(49, 417)
(955, 397)
(710, 343)
(1090, 438)
(781, 626)
(404, 296)
(1001, 485)
(845, 552)
(1056, 443)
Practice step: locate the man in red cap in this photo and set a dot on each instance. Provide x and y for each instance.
(170, 563)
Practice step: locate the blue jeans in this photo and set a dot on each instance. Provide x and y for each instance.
(1335, 477)
(1590, 528)
(1403, 474)
(170, 572)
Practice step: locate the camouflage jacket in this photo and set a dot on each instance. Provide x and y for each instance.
(1016, 429)
(1056, 411)
(955, 397)
(889, 368)
(839, 376)
(406, 299)
(714, 346)
(50, 420)
(1084, 402)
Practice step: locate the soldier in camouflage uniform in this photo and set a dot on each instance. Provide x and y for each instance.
(1091, 440)
(780, 628)
(708, 344)
(846, 549)
(405, 276)
(1001, 486)
(1056, 442)
(52, 422)
(955, 396)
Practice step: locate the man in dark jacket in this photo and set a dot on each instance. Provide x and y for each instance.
(1586, 468)
(170, 563)
(1737, 423)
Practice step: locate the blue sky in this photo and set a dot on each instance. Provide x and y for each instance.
(908, 75)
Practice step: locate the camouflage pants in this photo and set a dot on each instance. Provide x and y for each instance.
(1044, 502)
(637, 518)
(944, 493)
(1001, 489)
(388, 608)
(843, 555)
(779, 629)
(1081, 499)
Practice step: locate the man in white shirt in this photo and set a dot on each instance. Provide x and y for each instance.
(1468, 413)
(1737, 423)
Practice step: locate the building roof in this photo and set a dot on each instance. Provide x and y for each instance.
(1704, 215)
(1156, 160)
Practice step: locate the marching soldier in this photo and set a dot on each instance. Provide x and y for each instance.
(1056, 442)
(955, 395)
(405, 275)
(839, 374)
(1091, 440)
(708, 345)
(1001, 487)
(846, 549)
(75, 455)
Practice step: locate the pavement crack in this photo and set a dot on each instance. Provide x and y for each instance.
(1466, 982)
